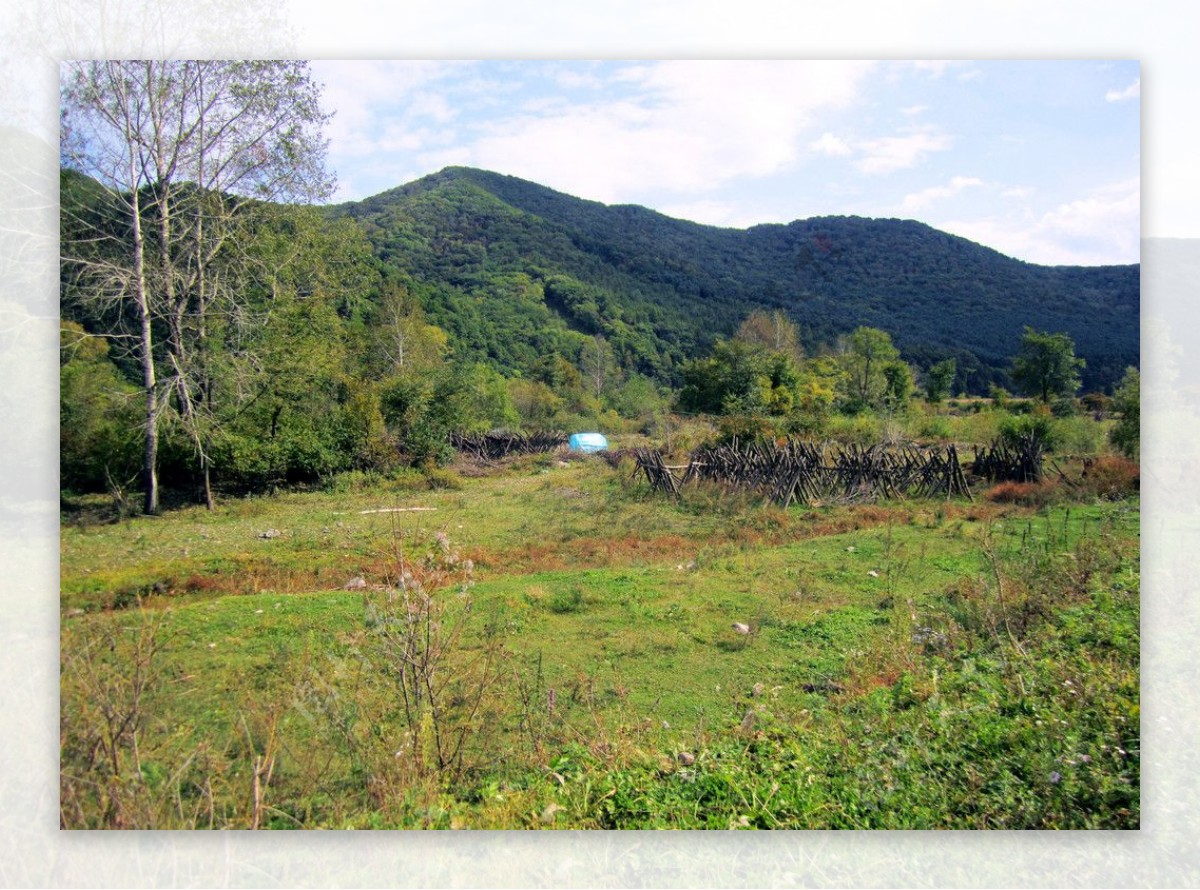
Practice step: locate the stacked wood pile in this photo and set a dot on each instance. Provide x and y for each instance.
(1002, 462)
(500, 444)
(809, 473)
(658, 474)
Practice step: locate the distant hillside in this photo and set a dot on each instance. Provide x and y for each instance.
(514, 271)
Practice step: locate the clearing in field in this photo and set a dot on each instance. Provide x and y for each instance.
(552, 644)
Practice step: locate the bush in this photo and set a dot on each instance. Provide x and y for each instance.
(862, 429)
(745, 428)
(1037, 426)
(1064, 407)
(1028, 494)
(1111, 477)
(1078, 435)
(1126, 435)
(443, 479)
(934, 427)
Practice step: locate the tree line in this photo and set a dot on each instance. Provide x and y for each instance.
(221, 333)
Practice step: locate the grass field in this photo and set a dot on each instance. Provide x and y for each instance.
(549, 645)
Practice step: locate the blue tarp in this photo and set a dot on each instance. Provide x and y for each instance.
(588, 442)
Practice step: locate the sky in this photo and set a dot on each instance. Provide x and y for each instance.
(1037, 159)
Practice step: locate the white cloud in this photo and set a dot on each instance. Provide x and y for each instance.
(713, 213)
(1019, 192)
(891, 153)
(687, 126)
(914, 110)
(925, 197)
(935, 67)
(569, 78)
(363, 94)
(1133, 91)
(1101, 227)
(831, 146)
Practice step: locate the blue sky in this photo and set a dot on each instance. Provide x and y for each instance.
(1039, 160)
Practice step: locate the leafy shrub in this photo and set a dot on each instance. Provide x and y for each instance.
(934, 427)
(862, 429)
(1077, 435)
(1126, 435)
(1064, 407)
(439, 478)
(1111, 477)
(1038, 427)
(745, 428)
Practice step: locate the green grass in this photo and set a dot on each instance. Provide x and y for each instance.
(908, 666)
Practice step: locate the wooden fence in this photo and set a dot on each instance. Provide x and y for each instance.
(1002, 462)
(805, 472)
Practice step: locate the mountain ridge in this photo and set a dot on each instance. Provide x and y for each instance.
(662, 289)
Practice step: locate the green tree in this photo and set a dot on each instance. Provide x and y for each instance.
(898, 386)
(404, 342)
(641, 400)
(867, 352)
(283, 406)
(98, 416)
(939, 380)
(740, 379)
(1046, 365)
(1127, 401)
(536, 403)
(182, 145)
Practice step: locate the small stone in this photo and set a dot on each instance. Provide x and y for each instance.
(271, 533)
(741, 628)
(550, 812)
(359, 583)
(685, 758)
(758, 689)
(873, 573)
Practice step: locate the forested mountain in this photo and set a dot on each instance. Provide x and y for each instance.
(515, 272)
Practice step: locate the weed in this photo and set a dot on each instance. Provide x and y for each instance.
(928, 665)
(1029, 494)
(563, 602)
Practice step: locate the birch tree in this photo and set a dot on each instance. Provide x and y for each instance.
(184, 147)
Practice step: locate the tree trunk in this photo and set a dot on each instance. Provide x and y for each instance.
(149, 382)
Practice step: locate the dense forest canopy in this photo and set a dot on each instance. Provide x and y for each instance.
(358, 336)
(662, 290)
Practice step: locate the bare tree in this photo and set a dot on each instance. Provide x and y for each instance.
(773, 331)
(597, 363)
(183, 147)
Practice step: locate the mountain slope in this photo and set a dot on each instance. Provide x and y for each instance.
(516, 271)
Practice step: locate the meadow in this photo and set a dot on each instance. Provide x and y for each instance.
(548, 644)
